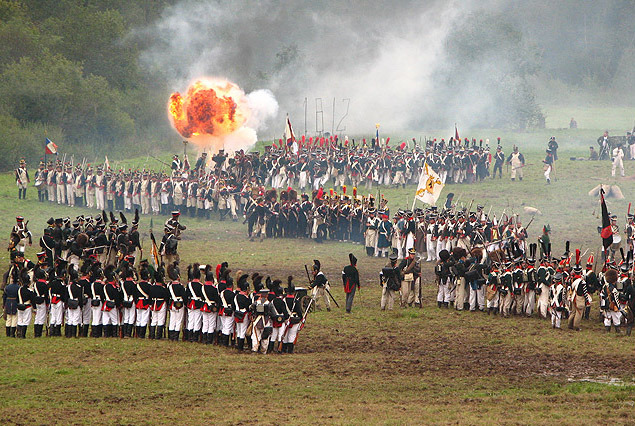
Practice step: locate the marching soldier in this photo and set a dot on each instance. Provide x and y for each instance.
(350, 279)
(370, 235)
(57, 289)
(279, 316)
(168, 249)
(96, 299)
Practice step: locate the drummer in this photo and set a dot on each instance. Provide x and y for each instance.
(617, 238)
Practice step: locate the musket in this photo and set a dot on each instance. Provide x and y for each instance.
(325, 289)
(306, 314)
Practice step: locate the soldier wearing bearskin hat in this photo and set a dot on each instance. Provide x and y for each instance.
(609, 301)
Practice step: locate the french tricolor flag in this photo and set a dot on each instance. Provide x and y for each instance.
(50, 147)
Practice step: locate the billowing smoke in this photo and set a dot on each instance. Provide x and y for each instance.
(408, 65)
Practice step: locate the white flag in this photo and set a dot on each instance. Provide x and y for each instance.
(430, 186)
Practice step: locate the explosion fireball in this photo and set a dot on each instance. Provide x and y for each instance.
(217, 114)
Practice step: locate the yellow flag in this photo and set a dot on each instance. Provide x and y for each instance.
(430, 186)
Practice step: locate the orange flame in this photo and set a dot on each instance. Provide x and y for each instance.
(210, 109)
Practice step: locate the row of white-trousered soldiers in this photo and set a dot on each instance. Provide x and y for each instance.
(511, 282)
(123, 302)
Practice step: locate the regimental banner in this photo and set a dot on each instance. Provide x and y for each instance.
(430, 186)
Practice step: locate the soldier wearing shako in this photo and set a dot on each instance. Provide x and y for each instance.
(241, 309)
(320, 285)
(194, 303)
(410, 270)
(72, 297)
(160, 296)
(176, 302)
(144, 301)
(57, 288)
(112, 303)
(226, 312)
(350, 279)
(20, 235)
(557, 300)
(444, 278)
(261, 328)
(168, 249)
(25, 303)
(370, 235)
(40, 299)
(609, 302)
(96, 299)
(389, 278)
(128, 290)
(630, 230)
(294, 311)
(578, 295)
(22, 179)
(279, 316)
(10, 302)
(211, 305)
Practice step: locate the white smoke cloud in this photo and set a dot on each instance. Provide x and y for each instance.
(384, 57)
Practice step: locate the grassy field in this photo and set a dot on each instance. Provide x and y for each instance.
(408, 366)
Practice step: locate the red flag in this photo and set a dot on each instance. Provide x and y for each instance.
(607, 231)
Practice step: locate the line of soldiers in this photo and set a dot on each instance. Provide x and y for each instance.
(221, 183)
(124, 301)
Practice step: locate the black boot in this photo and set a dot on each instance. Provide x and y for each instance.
(489, 311)
(439, 304)
(629, 328)
(226, 338)
(290, 348)
(617, 329)
(144, 329)
(93, 331)
(74, 331)
(138, 328)
(37, 330)
(215, 338)
(8, 331)
(446, 304)
(153, 332)
(186, 335)
(285, 346)
(192, 336)
(18, 333)
(160, 332)
(270, 347)
(240, 344)
(107, 330)
(58, 331)
(115, 330)
(248, 342)
(587, 312)
(13, 330)
(67, 331)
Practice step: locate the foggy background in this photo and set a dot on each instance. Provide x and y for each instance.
(409, 65)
